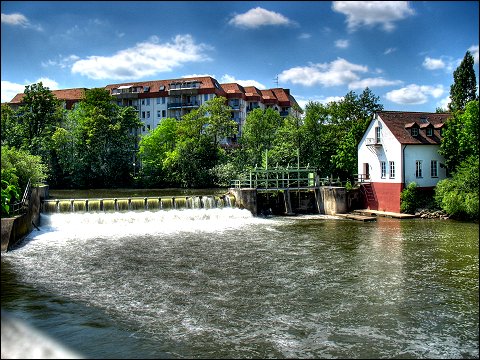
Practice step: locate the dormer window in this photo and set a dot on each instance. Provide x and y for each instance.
(414, 131)
(429, 131)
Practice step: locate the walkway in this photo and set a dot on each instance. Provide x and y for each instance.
(384, 214)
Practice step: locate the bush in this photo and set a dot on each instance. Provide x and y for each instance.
(409, 199)
(22, 165)
(458, 196)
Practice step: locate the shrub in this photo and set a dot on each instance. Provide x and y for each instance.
(459, 195)
(409, 199)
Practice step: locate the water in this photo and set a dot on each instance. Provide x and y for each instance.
(219, 283)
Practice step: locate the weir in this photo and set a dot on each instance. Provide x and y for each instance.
(137, 203)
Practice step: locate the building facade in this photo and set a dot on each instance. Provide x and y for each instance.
(173, 98)
(396, 149)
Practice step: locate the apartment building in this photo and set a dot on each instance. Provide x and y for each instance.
(173, 98)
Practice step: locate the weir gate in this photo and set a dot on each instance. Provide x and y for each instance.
(287, 191)
(138, 203)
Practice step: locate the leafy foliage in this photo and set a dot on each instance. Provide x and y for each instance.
(409, 199)
(459, 195)
(95, 147)
(464, 87)
(461, 136)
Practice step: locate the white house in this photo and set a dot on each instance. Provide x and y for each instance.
(396, 149)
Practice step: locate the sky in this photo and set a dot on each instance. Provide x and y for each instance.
(404, 52)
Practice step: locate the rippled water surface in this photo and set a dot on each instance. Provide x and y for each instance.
(219, 283)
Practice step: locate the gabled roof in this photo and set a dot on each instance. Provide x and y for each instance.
(75, 94)
(400, 122)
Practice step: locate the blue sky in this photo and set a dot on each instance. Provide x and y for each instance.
(405, 52)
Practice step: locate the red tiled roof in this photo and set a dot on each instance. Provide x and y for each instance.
(233, 90)
(399, 122)
(76, 94)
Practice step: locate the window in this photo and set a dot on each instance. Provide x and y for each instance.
(414, 131)
(164, 113)
(148, 114)
(148, 101)
(143, 114)
(392, 169)
(158, 101)
(148, 127)
(159, 113)
(377, 135)
(163, 100)
(205, 97)
(143, 102)
(383, 166)
(434, 168)
(418, 168)
(429, 131)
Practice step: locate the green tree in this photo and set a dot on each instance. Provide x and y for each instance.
(11, 133)
(464, 87)
(352, 114)
(38, 117)
(258, 134)
(459, 196)
(154, 148)
(96, 146)
(461, 136)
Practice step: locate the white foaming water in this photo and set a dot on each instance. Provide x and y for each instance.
(66, 226)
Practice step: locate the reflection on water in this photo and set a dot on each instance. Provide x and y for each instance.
(219, 283)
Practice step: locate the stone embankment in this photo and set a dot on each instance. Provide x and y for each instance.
(432, 214)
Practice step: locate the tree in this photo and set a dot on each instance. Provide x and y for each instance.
(96, 146)
(38, 117)
(459, 195)
(154, 148)
(461, 136)
(464, 87)
(11, 133)
(259, 133)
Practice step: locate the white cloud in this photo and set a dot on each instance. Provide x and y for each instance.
(338, 72)
(389, 51)
(231, 79)
(303, 101)
(9, 89)
(372, 82)
(197, 75)
(444, 103)
(433, 64)
(474, 51)
(415, 94)
(19, 20)
(62, 61)
(371, 13)
(257, 17)
(144, 59)
(342, 44)
(304, 36)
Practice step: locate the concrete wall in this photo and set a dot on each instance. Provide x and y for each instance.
(328, 200)
(14, 229)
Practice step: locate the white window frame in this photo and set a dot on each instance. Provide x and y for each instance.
(418, 169)
(391, 165)
(383, 167)
(434, 168)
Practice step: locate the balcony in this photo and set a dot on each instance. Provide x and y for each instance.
(176, 105)
(373, 142)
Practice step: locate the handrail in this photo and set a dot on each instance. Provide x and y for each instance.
(20, 206)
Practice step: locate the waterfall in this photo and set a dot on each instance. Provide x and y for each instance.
(136, 204)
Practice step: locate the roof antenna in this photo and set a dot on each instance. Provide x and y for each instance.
(276, 80)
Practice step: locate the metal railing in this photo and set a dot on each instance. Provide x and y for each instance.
(21, 206)
(278, 178)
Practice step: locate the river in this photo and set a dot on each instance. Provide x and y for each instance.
(220, 283)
